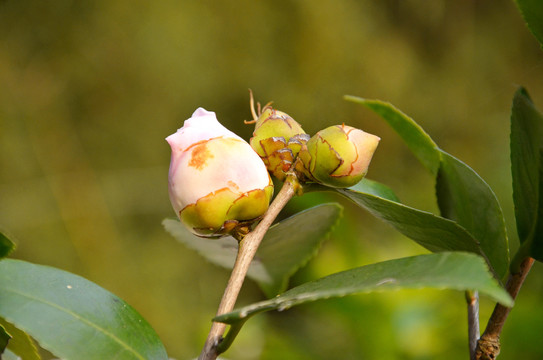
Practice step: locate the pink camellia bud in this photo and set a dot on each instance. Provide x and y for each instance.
(216, 180)
(337, 156)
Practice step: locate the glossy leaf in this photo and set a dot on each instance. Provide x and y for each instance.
(6, 245)
(463, 196)
(527, 172)
(375, 188)
(450, 270)
(532, 12)
(418, 141)
(20, 344)
(72, 317)
(430, 231)
(287, 246)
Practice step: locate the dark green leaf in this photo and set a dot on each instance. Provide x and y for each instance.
(21, 344)
(433, 232)
(291, 243)
(6, 245)
(532, 12)
(451, 270)
(463, 196)
(527, 173)
(286, 247)
(4, 339)
(418, 141)
(72, 317)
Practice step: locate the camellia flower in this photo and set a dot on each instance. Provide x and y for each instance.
(216, 180)
(277, 139)
(337, 156)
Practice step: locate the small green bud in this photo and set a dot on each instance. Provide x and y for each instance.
(337, 156)
(277, 139)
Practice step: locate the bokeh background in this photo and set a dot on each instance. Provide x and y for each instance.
(90, 89)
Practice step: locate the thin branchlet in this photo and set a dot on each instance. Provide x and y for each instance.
(246, 252)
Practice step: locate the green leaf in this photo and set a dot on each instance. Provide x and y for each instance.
(291, 243)
(375, 188)
(430, 231)
(21, 343)
(287, 246)
(4, 339)
(527, 172)
(6, 245)
(451, 270)
(418, 141)
(463, 196)
(532, 12)
(73, 317)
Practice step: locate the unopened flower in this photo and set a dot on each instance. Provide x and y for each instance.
(337, 156)
(216, 180)
(277, 138)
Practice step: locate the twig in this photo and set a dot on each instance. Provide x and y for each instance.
(246, 252)
(472, 298)
(488, 346)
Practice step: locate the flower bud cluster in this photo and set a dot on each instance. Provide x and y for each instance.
(219, 184)
(337, 156)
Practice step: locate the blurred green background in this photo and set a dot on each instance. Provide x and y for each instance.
(90, 89)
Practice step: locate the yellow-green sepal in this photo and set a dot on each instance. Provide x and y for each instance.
(250, 205)
(219, 213)
(277, 140)
(323, 163)
(208, 214)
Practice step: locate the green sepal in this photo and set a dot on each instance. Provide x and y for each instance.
(277, 139)
(329, 156)
(219, 213)
(250, 205)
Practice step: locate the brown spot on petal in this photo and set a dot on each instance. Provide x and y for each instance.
(200, 154)
(233, 185)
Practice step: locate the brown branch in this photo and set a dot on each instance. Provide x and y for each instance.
(247, 250)
(488, 346)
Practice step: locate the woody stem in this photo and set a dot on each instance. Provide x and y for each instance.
(247, 250)
(488, 346)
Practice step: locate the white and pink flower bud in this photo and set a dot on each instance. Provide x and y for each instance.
(216, 180)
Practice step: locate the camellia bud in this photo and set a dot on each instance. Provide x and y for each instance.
(277, 139)
(216, 180)
(337, 156)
